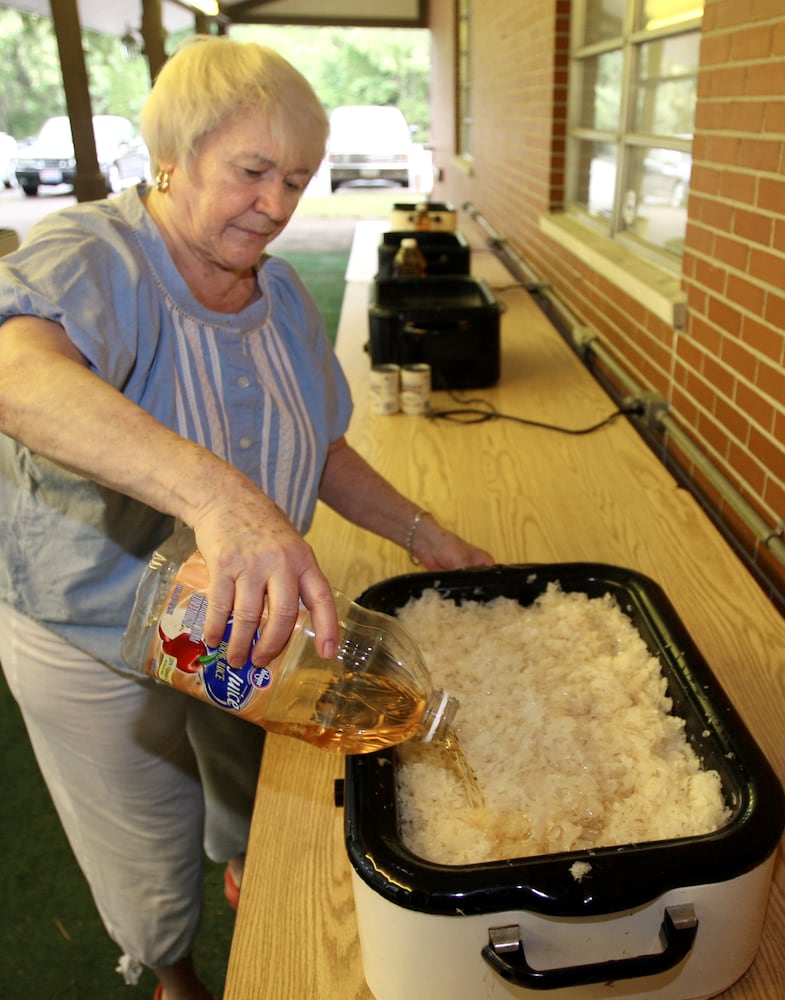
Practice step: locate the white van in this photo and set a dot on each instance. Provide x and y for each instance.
(368, 142)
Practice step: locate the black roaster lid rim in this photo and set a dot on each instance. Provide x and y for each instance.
(432, 206)
(392, 237)
(619, 877)
(437, 295)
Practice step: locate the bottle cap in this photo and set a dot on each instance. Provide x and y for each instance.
(408, 242)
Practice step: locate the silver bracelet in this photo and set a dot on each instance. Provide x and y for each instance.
(410, 535)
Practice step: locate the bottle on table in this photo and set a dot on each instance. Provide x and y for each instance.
(409, 261)
(375, 692)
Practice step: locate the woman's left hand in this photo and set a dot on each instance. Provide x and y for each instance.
(435, 547)
(350, 486)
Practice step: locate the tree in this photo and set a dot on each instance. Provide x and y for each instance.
(357, 65)
(31, 85)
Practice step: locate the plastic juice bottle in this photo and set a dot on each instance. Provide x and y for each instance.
(375, 692)
(409, 260)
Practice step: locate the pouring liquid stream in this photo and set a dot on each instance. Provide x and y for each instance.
(458, 760)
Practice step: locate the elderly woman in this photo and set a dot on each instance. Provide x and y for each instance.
(155, 364)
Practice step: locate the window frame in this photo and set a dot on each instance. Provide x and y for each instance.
(463, 85)
(625, 139)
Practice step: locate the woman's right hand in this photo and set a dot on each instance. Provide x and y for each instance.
(260, 568)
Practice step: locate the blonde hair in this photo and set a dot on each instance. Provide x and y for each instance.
(209, 79)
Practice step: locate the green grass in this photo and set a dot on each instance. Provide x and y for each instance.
(323, 272)
(353, 203)
(53, 945)
(323, 275)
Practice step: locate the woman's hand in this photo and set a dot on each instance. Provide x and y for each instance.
(436, 547)
(354, 489)
(260, 568)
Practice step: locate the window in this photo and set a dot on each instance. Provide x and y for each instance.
(463, 140)
(633, 80)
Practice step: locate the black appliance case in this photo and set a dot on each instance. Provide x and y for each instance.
(451, 323)
(445, 252)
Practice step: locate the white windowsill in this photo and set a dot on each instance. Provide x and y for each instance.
(657, 289)
(464, 163)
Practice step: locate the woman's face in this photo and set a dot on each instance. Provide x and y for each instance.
(238, 195)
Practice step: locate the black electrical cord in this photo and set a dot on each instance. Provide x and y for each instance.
(469, 412)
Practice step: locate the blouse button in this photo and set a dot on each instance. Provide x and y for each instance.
(245, 442)
(243, 381)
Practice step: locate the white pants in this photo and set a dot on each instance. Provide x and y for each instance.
(144, 780)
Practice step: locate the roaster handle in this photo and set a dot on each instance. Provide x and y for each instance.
(505, 955)
(414, 329)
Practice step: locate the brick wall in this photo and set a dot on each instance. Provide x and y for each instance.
(729, 376)
(724, 375)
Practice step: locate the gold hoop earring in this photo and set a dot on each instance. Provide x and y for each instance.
(162, 181)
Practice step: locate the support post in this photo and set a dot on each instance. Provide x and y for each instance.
(89, 184)
(154, 36)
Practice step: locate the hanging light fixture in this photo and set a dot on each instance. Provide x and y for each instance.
(208, 7)
(669, 20)
(131, 42)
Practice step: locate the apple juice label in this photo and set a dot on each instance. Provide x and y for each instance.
(180, 657)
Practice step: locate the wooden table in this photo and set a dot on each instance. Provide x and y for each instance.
(527, 495)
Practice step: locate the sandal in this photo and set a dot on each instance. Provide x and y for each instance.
(231, 891)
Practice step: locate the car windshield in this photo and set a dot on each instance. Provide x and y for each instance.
(108, 130)
(56, 130)
(115, 130)
(369, 128)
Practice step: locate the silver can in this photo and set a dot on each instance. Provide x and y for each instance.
(416, 388)
(385, 388)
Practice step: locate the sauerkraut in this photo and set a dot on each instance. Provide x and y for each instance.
(566, 724)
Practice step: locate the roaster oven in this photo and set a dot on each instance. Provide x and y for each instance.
(440, 215)
(672, 920)
(451, 323)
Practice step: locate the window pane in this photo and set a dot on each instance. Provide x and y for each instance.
(667, 80)
(604, 20)
(596, 178)
(633, 91)
(655, 202)
(601, 92)
(664, 13)
(463, 36)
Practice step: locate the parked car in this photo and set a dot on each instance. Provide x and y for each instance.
(666, 176)
(368, 142)
(122, 156)
(7, 157)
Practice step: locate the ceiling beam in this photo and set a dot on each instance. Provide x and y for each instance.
(253, 12)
